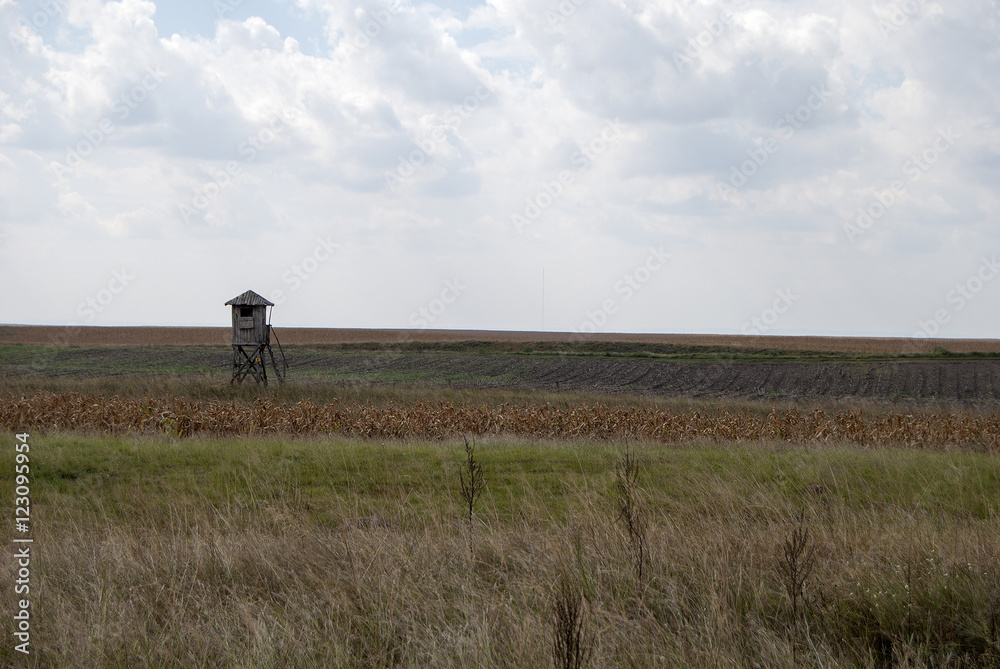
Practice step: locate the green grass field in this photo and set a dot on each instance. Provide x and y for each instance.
(160, 552)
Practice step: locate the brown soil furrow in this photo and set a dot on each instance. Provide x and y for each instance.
(949, 382)
(923, 391)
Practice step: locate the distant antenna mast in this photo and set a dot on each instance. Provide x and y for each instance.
(543, 299)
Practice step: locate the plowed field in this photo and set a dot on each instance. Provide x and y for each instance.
(953, 380)
(929, 378)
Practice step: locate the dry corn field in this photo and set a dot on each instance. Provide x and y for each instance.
(187, 417)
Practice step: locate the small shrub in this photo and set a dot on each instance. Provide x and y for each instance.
(471, 479)
(573, 641)
(795, 564)
(629, 512)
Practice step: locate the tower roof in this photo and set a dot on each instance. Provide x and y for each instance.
(249, 299)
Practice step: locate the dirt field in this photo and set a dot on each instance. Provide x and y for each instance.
(207, 336)
(963, 380)
(958, 380)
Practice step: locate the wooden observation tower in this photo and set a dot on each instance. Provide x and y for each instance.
(252, 340)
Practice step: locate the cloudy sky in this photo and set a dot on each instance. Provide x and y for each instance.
(736, 166)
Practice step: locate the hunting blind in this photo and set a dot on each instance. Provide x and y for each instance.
(252, 339)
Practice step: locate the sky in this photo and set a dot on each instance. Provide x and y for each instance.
(741, 166)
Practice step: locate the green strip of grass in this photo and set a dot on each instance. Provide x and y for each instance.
(329, 471)
(333, 552)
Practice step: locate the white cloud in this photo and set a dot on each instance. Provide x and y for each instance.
(393, 82)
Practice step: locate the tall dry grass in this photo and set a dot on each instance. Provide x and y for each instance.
(319, 553)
